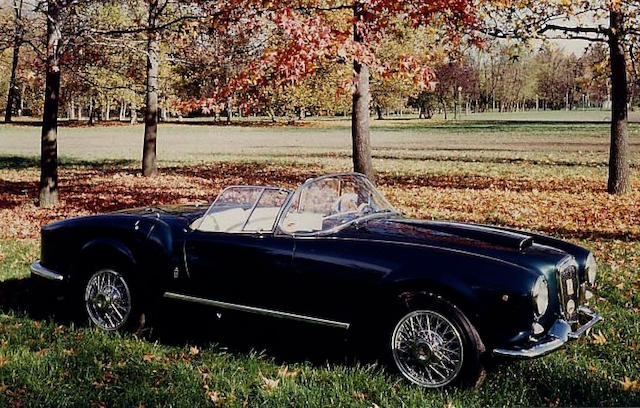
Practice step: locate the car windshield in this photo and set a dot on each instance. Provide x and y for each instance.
(330, 202)
(243, 209)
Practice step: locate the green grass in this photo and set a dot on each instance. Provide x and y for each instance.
(43, 363)
(48, 362)
(15, 257)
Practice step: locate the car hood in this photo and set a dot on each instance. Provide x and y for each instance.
(189, 212)
(516, 247)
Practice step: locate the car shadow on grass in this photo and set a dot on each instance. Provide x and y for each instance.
(551, 383)
(180, 325)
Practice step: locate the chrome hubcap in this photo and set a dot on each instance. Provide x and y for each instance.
(427, 348)
(107, 299)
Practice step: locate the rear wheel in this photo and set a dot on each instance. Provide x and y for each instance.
(434, 345)
(108, 299)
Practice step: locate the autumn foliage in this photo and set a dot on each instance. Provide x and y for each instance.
(298, 36)
(573, 208)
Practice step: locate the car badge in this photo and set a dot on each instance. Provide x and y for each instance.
(570, 287)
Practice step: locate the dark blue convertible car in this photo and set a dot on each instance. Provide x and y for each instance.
(435, 297)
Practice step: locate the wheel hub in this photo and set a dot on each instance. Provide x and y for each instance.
(106, 298)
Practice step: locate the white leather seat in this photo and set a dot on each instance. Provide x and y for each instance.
(224, 221)
(302, 222)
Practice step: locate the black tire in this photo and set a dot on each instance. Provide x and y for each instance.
(121, 290)
(468, 372)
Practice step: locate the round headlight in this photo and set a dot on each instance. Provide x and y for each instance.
(540, 294)
(591, 269)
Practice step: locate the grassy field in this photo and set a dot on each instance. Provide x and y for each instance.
(548, 177)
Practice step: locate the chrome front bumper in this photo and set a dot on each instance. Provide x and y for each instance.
(559, 334)
(38, 269)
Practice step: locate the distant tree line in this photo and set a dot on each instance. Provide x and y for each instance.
(495, 78)
(155, 59)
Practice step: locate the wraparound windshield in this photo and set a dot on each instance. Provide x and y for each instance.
(329, 202)
(244, 209)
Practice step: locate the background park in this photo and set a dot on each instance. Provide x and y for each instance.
(469, 111)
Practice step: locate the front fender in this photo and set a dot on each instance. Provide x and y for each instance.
(493, 294)
(104, 245)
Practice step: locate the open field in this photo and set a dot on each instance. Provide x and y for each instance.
(549, 177)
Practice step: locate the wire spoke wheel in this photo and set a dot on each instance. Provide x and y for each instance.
(107, 299)
(427, 348)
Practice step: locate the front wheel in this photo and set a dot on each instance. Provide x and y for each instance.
(107, 300)
(435, 345)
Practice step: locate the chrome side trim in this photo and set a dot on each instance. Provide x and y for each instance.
(559, 334)
(38, 269)
(257, 310)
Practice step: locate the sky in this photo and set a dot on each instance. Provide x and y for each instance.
(576, 47)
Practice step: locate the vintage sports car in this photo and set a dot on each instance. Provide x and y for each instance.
(436, 297)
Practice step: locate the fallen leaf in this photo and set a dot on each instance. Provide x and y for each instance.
(286, 373)
(269, 384)
(599, 338)
(193, 350)
(629, 385)
(359, 396)
(214, 396)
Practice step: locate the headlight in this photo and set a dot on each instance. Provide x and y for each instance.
(591, 269)
(540, 294)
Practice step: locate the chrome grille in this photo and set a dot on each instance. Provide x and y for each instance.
(569, 289)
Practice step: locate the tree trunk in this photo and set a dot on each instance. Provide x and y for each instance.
(107, 115)
(17, 42)
(91, 111)
(379, 112)
(360, 131)
(49, 143)
(21, 105)
(72, 109)
(228, 108)
(149, 165)
(619, 180)
(123, 111)
(165, 110)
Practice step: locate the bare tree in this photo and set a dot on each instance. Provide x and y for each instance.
(18, 36)
(149, 165)
(48, 191)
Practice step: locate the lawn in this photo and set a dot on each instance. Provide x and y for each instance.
(541, 176)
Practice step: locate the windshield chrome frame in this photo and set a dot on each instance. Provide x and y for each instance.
(262, 190)
(289, 202)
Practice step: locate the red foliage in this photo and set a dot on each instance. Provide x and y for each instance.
(310, 31)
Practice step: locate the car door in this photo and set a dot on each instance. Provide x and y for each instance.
(238, 268)
(336, 278)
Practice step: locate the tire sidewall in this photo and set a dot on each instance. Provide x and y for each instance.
(471, 373)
